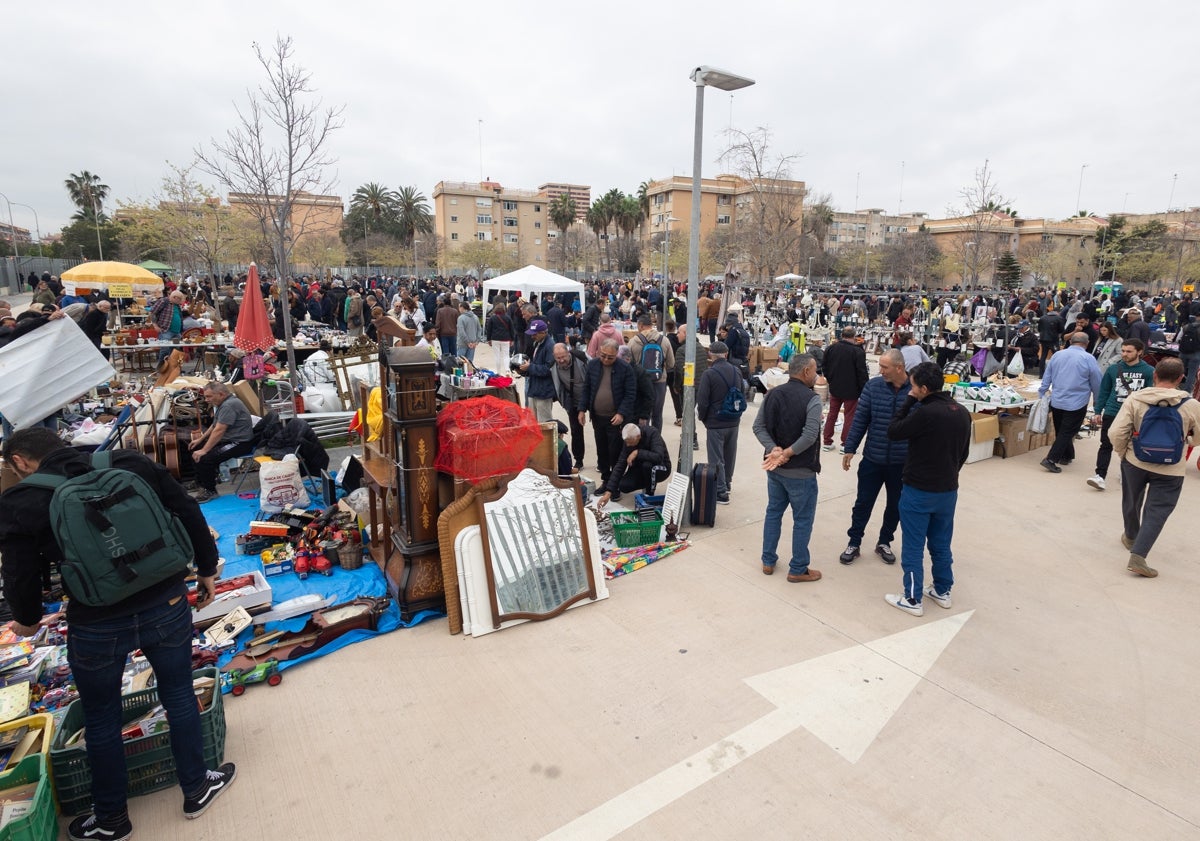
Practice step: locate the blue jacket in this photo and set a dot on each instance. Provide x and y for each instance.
(877, 405)
(538, 382)
(624, 385)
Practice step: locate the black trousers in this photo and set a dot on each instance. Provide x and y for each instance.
(608, 443)
(1066, 425)
(578, 443)
(1104, 454)
(1047, 349)
(207, 464)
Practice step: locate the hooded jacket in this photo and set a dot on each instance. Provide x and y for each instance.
(603, 332)
(1130, 417)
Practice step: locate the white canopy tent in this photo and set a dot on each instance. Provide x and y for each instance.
(532, 279)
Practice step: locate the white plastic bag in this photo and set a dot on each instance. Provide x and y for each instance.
(1016, 367)
(1039, 417)
(280, 485)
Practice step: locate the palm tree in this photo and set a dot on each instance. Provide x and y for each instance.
(375, 199)
(628, 215)
(595, 220)
(562, 214)
(610, 205)
(87, 193)
(413, 215)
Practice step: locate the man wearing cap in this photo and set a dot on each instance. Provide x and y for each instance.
(539, 383)
(722, 433)
(1026, 343)
(1072, 376)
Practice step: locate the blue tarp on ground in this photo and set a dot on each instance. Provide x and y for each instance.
(231, 516)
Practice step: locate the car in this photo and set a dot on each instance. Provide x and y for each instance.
(267, 671)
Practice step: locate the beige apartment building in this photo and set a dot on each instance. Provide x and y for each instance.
(722, 199)
(312, 215)
(870, 228)
(486, 211)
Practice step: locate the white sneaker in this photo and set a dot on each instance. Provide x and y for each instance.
(902, 603)
(1097, 482)
(943, 601)
(828, 447)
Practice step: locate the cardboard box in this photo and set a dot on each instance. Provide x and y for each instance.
(255, 599)
(984, 428)
(980, 450)
(1014, 437)
(245, 392)
(769, 357)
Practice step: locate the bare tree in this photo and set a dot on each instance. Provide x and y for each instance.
(275, 153)
(769, 230)
(982, 212)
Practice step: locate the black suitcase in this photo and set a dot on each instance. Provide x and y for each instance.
(704, 495)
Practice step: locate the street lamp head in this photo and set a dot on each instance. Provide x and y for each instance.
(720, 79)
(671, 219)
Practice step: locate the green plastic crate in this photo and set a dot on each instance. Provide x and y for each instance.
(148, 760)
(40, 823)
(630, 530)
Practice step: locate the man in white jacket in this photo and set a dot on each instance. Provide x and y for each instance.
(1150, 489)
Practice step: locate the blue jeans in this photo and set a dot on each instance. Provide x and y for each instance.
(926, 516)
(96, 653)
(1191, 362)
(801, 494)
(166, 336)
(467, 352)
(871, 477)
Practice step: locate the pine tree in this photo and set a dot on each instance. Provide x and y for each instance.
(1008, 271)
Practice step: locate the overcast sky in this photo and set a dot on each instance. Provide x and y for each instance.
(871, 96)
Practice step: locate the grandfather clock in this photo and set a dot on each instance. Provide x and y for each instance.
(413, 569)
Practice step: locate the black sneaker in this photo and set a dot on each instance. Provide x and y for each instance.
(87, 827)
(204, 495)
(215, 782)
(884, 550)
(849, 555)
(722, 499)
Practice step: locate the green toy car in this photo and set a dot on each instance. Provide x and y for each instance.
(267, 671)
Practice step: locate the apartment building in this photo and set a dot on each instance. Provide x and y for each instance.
(489, 212)
(721, 200)
(870, 228)
(9, 233)
(581, 193)
(311, 216)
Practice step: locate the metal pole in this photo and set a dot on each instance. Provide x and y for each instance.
(96, 219)
(1079, 192)
(666, 274)
(12, 237)
(688, 432)
(37, 225)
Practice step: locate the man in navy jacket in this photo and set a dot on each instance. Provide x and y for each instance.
(609, 392)
(882, 464)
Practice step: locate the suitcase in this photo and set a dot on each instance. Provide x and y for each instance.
(704, 495)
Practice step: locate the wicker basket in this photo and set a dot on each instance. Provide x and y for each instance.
(350, 555)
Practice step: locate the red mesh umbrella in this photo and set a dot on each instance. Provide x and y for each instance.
(253, 330)
(485, 436)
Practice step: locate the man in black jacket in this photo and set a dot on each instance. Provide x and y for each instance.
(1050, 329)
(609, 393)
(845, 367)
(158, 620)
(938, 432)
(643, 463)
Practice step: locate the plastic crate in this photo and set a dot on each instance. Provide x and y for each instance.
(644, 501)
(148, 760)
(39, 823)
(636, 529)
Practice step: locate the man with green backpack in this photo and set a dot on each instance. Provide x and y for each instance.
(123, 532)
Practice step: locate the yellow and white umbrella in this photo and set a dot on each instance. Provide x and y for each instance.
(121, 280)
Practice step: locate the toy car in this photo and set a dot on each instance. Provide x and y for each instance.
(267, 671)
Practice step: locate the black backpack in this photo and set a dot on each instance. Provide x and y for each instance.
(1189, 338)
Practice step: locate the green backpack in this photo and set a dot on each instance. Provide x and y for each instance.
(116, 537)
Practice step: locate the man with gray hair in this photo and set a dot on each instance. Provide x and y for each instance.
(230, 436)
(643, 462)
(789, 427)
(1072, 377)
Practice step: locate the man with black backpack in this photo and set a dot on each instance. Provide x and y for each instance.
(652, 357)
(719, 405)
(1189, 351)
(1150, 435)
(123, 556)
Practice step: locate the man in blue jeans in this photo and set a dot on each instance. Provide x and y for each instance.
(882, 464)
(157, 619)
(938, 432)
(789, 427)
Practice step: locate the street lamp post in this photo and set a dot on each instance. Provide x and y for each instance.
(667, 269)
(1079, 192)
(703, 76)
(12, 233)
(808, 277)
(416, 265)
(96, 219)
(866, 264)
(966, 282)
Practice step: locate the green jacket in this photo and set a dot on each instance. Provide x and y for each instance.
(1121, 380)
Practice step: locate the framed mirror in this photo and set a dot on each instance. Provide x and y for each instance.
(537, 560)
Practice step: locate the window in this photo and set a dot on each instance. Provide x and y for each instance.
(453, 218)
(483, 202)
(552, 234)
(723, 219)
(537, 208)
(453, 201)
(483, 219)
(537, 224)
(660, 198)
(484, 236)
(537, 242)
(1047, 237)
(510, 205)
(724, 200)
(510, 221)
(454, 235)
(510, 238)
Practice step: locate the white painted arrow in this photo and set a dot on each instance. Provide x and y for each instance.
(845, 699)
